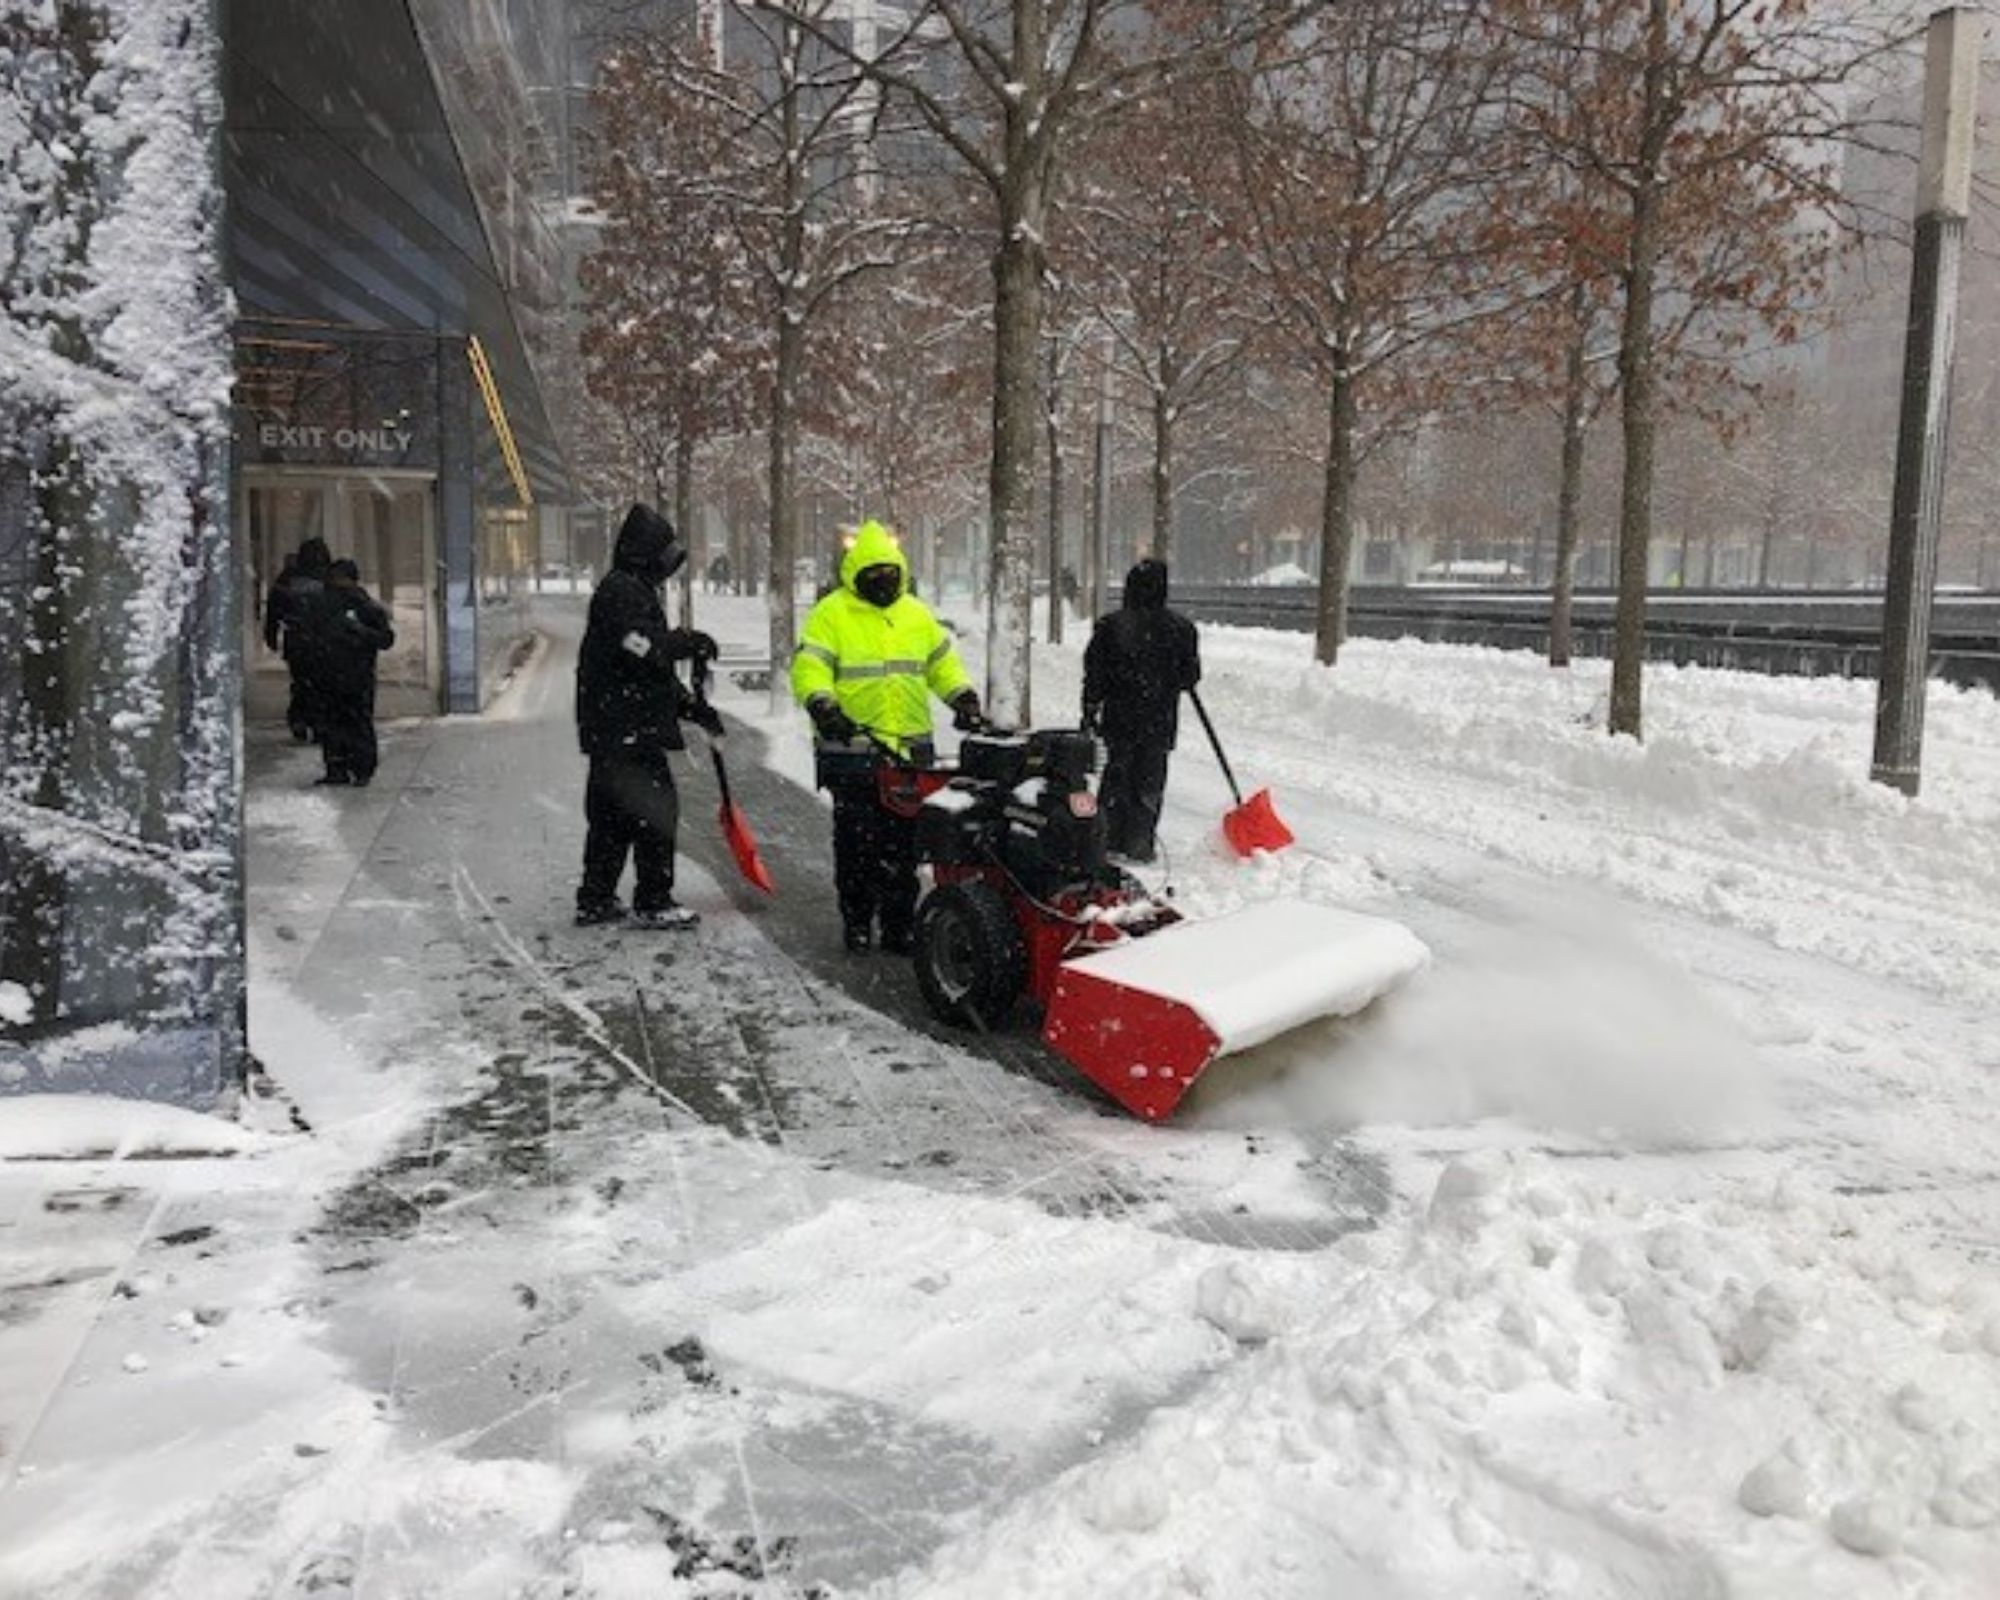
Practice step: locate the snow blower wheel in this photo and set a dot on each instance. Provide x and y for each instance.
(969, 957)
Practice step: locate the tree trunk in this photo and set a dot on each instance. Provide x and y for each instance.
(1163, 473)
(1636, 376)
(784, 521)
(1569, 492)
(1017, 332)
(684, 518)
(1336, 515)
(1018, 266)
(1635, 508)
(782, 610)
(1052, 415)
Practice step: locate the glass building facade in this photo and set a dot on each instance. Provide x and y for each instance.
(395, 172)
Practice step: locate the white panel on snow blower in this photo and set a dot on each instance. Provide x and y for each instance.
(1257, 972)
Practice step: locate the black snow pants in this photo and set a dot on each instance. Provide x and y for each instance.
(630, 807)
(1131, 795)
(300, 712)
(343, 716)
(874, 862)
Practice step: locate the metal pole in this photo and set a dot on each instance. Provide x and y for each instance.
(1944, 195)
(1100, 516)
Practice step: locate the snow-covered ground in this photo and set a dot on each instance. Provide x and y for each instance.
(1646, 1245)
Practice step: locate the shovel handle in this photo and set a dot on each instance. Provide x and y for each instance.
(1215, 744)
(721, 773)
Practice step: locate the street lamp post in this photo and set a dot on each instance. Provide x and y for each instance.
(1944, 196)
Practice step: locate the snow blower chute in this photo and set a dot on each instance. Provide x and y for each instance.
(1138, 998)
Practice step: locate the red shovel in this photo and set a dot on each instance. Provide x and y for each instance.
(736, 831)
(1255, 824)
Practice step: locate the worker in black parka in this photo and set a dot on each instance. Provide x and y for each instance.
(630, 703)
(344, 630)
(300, 578)
(1140, 660)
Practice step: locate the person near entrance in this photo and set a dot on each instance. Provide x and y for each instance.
(630, 703)
(1140, 660)
(871, 657)
(344, 631)
(302, 576)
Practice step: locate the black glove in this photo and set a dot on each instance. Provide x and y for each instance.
(707, 718)
(698, 645)
(965, 713)
(834, 725)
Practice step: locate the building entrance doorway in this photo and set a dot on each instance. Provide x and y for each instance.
(383, 521)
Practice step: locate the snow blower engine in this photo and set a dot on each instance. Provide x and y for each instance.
(1142, 1000)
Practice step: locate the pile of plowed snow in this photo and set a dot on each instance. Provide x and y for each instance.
(1545, 1384)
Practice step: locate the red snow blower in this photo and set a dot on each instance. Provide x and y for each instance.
(1140, 999)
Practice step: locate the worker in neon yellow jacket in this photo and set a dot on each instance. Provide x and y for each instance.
(870, 658)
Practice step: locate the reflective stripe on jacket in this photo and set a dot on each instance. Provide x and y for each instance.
(881, 664)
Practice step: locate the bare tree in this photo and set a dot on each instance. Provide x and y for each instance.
(1152, 239)
(779, 147)
(1710, 127)
(1009, 86)
(911, 399)
(1362, 158)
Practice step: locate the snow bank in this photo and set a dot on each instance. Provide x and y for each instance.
(76, 1127)
(1543, 1384)
(1748, 803)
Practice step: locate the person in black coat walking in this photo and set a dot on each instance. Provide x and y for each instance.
(630, 703)
(342, 631)
(1140, 660)
(301, 577)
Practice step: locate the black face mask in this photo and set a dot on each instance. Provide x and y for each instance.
(879, 586)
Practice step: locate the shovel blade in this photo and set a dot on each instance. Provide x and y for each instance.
(1255, 825)
(743, 847)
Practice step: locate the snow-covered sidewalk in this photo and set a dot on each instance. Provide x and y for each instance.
(1646, 1247)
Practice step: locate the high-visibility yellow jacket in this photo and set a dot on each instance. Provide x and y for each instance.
(881, 664)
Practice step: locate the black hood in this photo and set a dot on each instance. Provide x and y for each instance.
(314, 558)
(1146, 586)
(647, 546)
